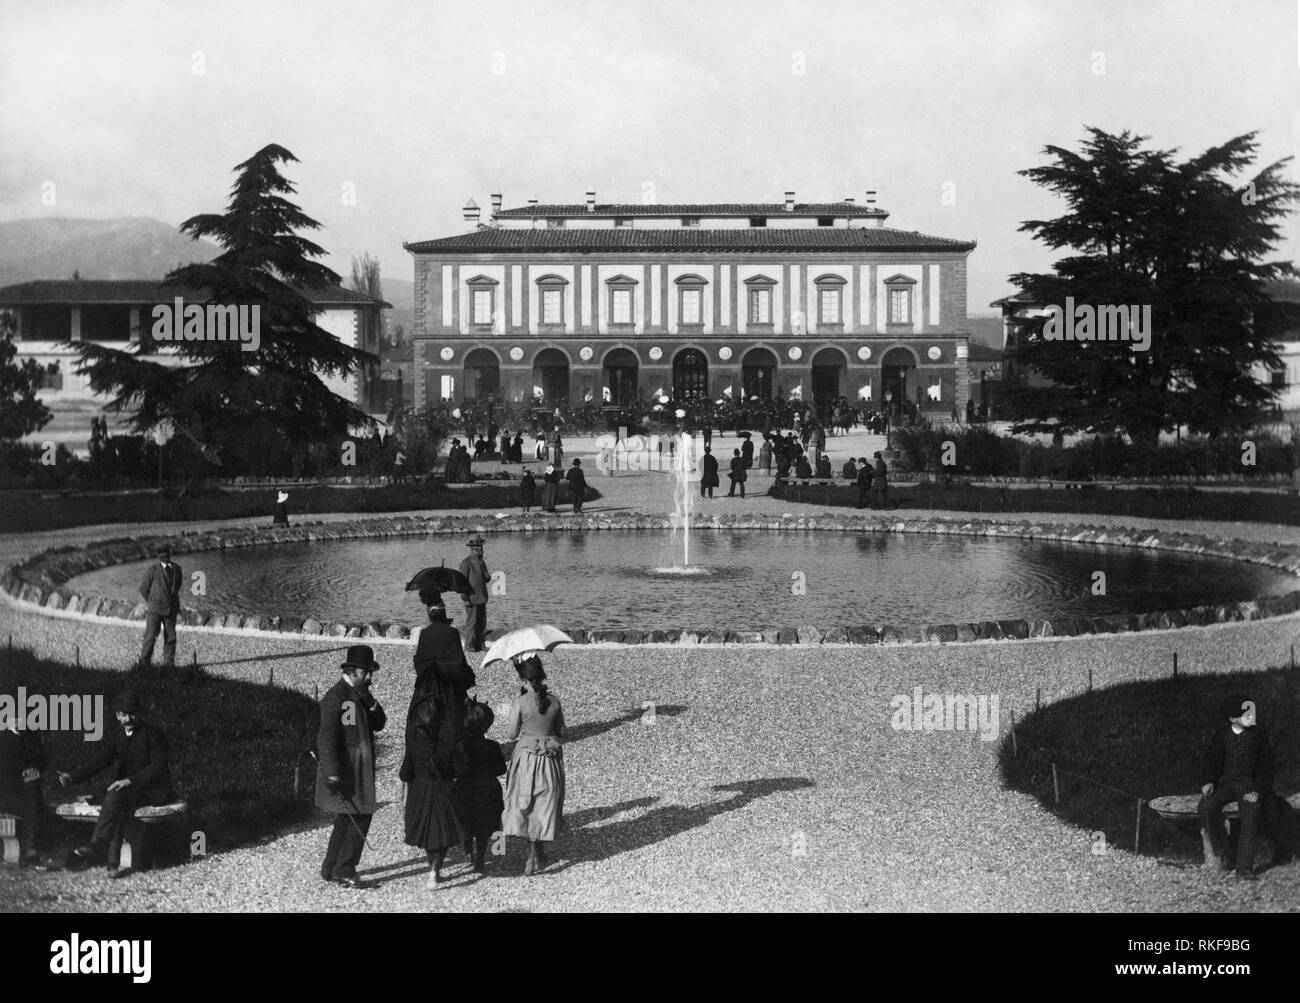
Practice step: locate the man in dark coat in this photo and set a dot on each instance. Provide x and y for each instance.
(737, 474)
(747, 451)
(880, 484)
(22, 761)
(527, 490)
(345, 783)
(1237, 766)
(823, 468)
(803, 469)
(865, 476)
(709, 473)
(850, 470)
(138, 755)
(161, 589)
(577, 485)
(475, 569)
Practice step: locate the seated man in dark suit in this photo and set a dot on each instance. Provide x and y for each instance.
(22, 759)
(850, 471)
(1238, 766)
(138, 755)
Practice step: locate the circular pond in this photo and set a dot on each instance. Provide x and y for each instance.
(740, 580)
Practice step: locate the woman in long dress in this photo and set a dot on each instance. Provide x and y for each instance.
(535, 777)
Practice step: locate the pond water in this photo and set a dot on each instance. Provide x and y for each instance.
(738, 580)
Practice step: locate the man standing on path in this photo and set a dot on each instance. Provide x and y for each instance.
(161, 589)
(475, 569)
(880, 484)
(737, 474)
(865, 476)
(709, 476)
(345, 784)
(577, 485)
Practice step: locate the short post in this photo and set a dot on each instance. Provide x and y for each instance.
(270, 677)
(315, 692)
(1038, 699)
(1056, 784)
(1175, 665)
(1137, 832)
(1090, 679)
(1014, 747)
(78, 656)
(297, 776)
(194, 658)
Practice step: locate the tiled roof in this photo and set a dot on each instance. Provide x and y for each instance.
(698, 209)
(757, 239)
(135, 291)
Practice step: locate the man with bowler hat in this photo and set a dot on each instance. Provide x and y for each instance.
(475, 569)
(345, 783)
(161, 589)
(138, 754)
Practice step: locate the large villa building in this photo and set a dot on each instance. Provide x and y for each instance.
(605, 303)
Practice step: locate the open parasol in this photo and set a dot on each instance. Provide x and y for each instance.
(526, 641)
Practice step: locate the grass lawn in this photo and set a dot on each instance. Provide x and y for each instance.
(233, 745)
(32, 512)
(1139, 503)
(1145, 739)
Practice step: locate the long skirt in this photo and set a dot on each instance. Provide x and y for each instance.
(435, 815)
(534, 796)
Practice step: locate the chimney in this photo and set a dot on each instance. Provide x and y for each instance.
(496, 204)
(532, 202)
(591, 200)
(471, 214)
(789, 201)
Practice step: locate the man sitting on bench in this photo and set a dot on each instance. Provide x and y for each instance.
(138, 754)
(1238, 766)
(22, 758)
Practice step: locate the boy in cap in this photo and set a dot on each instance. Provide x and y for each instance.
(1237, 766)
(161, 589)
(138, 754)
(477, 762)
(345, 784)
(475, 569)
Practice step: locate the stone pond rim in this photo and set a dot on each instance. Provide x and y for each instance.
(40, 580)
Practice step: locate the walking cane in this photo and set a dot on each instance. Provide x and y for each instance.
(348, 801)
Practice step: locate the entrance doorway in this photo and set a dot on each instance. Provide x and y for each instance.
(828, 369)
(757, 373)
(690, 375)
(551, 373)
(621, 369)
(897, 380)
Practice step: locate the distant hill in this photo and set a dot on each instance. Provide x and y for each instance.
(985, 330)
(96, 248)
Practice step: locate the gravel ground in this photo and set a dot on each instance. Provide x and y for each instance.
(755, 754)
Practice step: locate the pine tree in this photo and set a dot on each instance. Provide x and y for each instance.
(1186, 238)
(247, 406)
(21, 411)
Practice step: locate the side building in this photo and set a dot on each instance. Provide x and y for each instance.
(610, 303)
(118, 312)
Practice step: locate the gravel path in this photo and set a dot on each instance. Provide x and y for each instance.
(754, 754)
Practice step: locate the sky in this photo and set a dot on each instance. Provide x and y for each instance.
(401, 111)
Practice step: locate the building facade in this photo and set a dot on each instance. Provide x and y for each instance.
(50, 313)
(609, 304)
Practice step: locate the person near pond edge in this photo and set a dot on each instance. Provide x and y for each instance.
(709, 474)
(535, 780)
(880, 482)
(550, 487)
(865, 476)
(161, 589)
(527, 490)
(737, 474)
(577, 485)
(350, 716)
(138, 754)
(475, 569)
(1237, 766)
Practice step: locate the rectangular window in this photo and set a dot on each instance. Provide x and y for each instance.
(622, 221)
(760, 306)
(448, 388)
(825, 221)
(482, 306)
(690, 221)
(758, 221)
(621, 306)
(830, 306)
(555, 223)
(690, 306)
(552, 306)
(900, 306)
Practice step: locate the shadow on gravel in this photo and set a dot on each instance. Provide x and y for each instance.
(593, 728)
(1137, 741)
(583, 840)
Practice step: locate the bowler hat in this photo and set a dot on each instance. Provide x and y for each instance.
(127, 702)
(476, 541)
(360, 656)
(1231, 705)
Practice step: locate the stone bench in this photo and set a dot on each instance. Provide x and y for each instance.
(130, 853)
(1185, 808)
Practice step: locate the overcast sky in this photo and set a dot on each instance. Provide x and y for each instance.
(141, 108)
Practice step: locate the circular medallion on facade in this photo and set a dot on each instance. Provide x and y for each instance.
(656, 353)
(935, 353)
(864, 353)
(586, 353)
(795, 353)
(446, 354)
(724, 353)
(516, 354)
